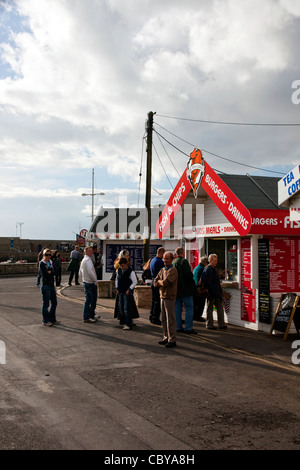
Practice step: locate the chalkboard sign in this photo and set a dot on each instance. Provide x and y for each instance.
(264, 281)
(288, 310)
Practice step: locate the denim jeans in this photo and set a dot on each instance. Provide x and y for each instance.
(90, 291)
(188, 303)
(49, 295)
(125, 310)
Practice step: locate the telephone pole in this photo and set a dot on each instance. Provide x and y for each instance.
(147, 229)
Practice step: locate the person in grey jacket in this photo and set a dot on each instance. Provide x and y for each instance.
(166, 281)
(211, 280)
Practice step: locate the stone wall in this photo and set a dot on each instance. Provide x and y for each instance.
(22, 269)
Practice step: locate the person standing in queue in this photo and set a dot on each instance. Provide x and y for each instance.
(156, 265)
(211, 280)
(166, 282)
(125, 283)
(199, 302)
(48, 290)
(185, 291)
(89, 278)
(134, 311)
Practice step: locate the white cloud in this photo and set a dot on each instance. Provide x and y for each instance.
(79, 78)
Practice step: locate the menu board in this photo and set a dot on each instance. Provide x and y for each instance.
(247, 294)
(287, 311)
(284, 253)
(264, 281)
(136, 255)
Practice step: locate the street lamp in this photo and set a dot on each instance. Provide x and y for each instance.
(19, 223)
(93, 194)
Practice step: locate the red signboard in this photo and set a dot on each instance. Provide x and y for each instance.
(273, 222)
(235, 212)
(174, 203)
(199, 173)
(247, 294)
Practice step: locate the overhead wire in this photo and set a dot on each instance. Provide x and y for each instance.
(184, 153)
(214, 154)
(162, 166)
(167, 154)
(232, 123)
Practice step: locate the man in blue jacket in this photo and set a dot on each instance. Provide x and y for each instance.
(211, 280)
(155, 266)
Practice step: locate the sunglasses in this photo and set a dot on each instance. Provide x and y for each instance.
(47, 254)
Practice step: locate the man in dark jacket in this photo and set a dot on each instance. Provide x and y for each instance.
(125, 283)
(48, 290)
(199, 302)
(185, 292)
(155, 266)
(211, 280)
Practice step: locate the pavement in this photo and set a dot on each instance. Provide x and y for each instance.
(266, 348)
(82, 386)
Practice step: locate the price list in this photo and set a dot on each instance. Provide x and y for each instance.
(264, 281)
(284, 255)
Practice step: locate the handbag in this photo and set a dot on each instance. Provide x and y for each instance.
(201, 289)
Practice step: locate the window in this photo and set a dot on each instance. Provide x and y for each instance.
(226, 250)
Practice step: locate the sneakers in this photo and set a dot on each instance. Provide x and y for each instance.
(127, 327)
(48, 323)
(97, 317)
(89, 320)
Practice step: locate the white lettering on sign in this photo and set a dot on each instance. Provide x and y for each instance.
(291, 223)
(238, 216)
(211, 183)
(264, 221)
(289, 185)
(178, 195)
(209, 230)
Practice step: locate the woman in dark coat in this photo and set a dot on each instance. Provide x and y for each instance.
(117, 313)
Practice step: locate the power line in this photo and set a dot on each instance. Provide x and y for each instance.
(162, 166)
(186, 154)
(214, 154)
(167, 154)
(232, 123)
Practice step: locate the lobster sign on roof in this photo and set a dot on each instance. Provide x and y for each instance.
(195, 170)
(199, 173)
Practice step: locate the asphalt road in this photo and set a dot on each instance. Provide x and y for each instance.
(82, 386)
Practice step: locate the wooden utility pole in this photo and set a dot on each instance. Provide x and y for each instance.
(147, 229)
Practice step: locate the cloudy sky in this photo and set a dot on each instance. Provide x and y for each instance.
(79, 77)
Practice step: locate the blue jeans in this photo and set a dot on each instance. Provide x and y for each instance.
(125, 310)
(90, 291)
(49, 295)
(188, 303)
